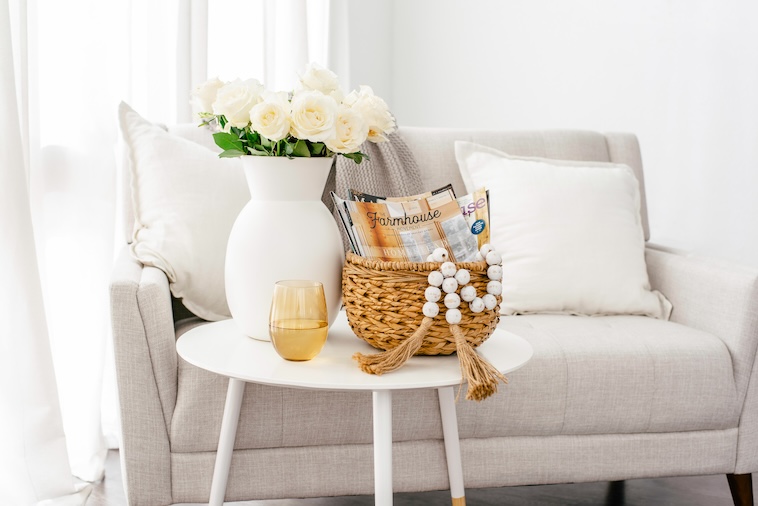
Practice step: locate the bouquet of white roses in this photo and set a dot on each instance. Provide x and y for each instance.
(316, 119)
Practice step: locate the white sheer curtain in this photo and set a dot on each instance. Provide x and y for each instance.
(32, 440)
(65, 67)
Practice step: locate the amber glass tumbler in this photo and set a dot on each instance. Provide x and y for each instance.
(298, 322)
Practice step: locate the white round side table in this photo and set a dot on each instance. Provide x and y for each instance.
(221, 348)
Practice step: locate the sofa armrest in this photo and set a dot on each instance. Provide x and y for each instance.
(146, 369)
(720, 298)
(713, 296)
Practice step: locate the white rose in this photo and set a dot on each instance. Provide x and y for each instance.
(350, 131)
(203, 96)
(375, 112)
(234, 100)
(313, 116)
(271, 116)
(318, 78)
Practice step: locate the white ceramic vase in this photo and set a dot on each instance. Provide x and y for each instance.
(284, 232)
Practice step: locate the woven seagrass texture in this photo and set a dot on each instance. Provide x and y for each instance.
(384, 300)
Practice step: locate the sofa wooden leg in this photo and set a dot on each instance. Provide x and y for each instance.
(616, 493)
(741, 486)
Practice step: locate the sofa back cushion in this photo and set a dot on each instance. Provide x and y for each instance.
(434, 149)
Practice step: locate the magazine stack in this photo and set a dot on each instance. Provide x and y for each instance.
(409, 229)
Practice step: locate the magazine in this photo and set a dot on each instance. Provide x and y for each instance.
(365, 197)
(474, 207)
(407, 230)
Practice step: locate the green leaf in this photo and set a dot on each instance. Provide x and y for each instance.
(318, 148)
(356, 157)
(288, 148)
(222, 120)
(231, 153)
(301, 149)
(206, 119)
(266, 143)
(258, 151)
(227, 141)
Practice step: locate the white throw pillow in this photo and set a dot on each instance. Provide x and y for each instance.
(185, 201)
(570, 234)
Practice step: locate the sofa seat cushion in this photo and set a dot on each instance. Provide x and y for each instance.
(611, 375)
(588, 375)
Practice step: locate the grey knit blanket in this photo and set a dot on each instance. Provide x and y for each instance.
(389, 171)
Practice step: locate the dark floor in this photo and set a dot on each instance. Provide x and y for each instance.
(685, 491)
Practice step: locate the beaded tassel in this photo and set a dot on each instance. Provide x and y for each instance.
(482, 377)
(386, 361)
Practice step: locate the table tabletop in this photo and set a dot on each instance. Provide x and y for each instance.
(220, 347)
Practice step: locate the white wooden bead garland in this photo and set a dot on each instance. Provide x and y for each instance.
(449, 278)
(447, 285)
(433, 294)
(436, 278)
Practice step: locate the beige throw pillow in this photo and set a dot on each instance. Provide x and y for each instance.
(185, 201)
(570, 234)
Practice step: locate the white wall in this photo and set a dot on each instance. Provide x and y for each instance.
(682, 75)
(371, 45)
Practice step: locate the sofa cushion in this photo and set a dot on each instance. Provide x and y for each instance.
(185, 200)
(588, 375)
(433, 148)
(609, 375)
(570, 233)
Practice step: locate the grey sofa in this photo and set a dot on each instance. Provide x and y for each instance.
(604, 398)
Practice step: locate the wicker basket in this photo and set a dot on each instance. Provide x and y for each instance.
(383, 302)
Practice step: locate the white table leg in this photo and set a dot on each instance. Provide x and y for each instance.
(452, 445)
(226, 441)
(383, 448)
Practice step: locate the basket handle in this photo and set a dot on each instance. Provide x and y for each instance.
(389, 360)
(482, 377)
